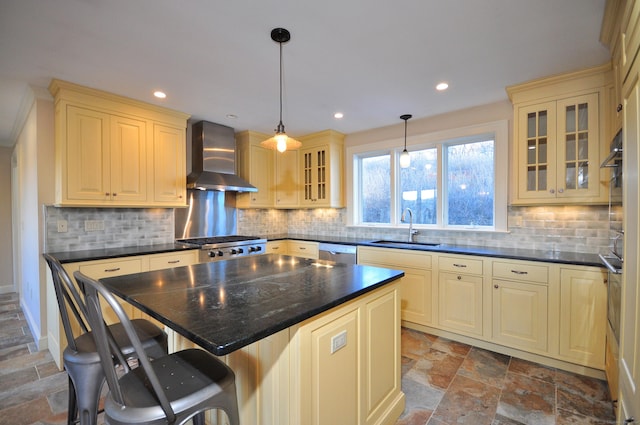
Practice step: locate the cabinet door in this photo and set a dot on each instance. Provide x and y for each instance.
(416, 289)
(286, 184)
(536, 151)
(261, 177)
(87, 168)
(583, 317)
(578, 147)
(169, 165)
(315, 174)
(460, 302)
(303, 249)
(128, 160)
(520, 315)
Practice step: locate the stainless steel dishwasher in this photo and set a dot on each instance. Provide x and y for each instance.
(337, 253)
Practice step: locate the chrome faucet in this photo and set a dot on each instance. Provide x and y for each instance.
(403, 219)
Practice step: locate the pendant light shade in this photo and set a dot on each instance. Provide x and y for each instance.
(280, 141)
(405, 159)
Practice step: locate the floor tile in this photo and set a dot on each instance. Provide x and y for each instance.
(435, 368)
(419, 396)
(532, 370)
(502, 420)
(527, 400)
(570, 418)
(468, 402)
(485, 366)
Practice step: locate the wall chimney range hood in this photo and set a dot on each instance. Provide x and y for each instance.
(213, 159)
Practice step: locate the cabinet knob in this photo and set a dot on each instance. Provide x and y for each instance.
(459, 277)
(106, 194)
(496, 286)
(619, 107)
(560, 190)
(552, 191)
(113, 194)
(630, 420)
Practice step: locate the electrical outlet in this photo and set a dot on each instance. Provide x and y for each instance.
(62, 226)
(93, 225)
(338, 341)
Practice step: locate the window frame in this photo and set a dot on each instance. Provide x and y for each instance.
(440, 139)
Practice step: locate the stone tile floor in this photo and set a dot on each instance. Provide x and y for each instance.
(445, 383)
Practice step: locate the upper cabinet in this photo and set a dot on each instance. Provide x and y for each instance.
(112, 151)
(307, 178)
(560, 138)
(321, 169)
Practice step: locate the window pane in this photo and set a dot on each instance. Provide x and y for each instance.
(470, 183)
(376, 189)
(418, 186)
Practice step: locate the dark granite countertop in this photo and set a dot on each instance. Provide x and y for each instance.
(561, 257)
(223, 306)
(128, 251)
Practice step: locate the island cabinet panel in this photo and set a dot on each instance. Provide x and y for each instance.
(419, 301)
(583, 304)
(110, 150)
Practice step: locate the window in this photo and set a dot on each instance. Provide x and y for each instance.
(458, 181)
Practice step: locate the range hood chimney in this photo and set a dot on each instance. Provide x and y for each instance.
(213, 159)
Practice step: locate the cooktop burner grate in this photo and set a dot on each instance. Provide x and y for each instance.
(218, 240)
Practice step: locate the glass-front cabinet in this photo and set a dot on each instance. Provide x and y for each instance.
(558, 145)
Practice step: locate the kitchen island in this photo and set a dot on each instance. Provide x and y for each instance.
(311, 342)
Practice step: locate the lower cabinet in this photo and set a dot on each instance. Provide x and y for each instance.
(303, 249)
(549, 312)
(583, 310)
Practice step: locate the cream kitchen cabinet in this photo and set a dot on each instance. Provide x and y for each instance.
(418, 294)
(277, 247)
(112, 151)
(520, 305)
(560, 138)
(460, 294)
(583, 323)
(287, 186)
(321, 170)
(256, 165)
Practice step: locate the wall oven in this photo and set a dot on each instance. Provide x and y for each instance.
(614, 259)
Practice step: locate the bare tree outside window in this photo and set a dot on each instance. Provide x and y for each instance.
(376, 189)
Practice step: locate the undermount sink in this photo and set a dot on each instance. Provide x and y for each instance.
(405, 244)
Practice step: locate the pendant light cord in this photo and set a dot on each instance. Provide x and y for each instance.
(281, 125)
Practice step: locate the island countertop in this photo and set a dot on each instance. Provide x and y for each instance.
(223, 306)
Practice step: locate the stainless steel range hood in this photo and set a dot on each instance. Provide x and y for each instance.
(213, 159)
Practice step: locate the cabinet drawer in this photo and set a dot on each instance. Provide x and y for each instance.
(394, 257)
(175, 259)
(460, 265)
(303, 249)
(277, 247)
(521, 271)
(112, 268)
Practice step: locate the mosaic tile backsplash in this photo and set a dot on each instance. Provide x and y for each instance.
(574, 229)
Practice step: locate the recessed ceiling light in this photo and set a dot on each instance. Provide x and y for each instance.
(160, 94)
(232, 116)
(338, 115)
(442, 86)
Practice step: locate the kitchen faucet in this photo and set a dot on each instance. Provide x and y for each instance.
(402, 219)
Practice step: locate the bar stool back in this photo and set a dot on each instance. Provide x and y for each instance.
(80, 358)
(172, 389)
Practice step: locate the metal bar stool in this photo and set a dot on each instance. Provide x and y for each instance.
(172, 389)
(81, 359)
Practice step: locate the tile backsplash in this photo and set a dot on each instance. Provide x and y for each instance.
(115, 228)
(552, 228)
(564, 228)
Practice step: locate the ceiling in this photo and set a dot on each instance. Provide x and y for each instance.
(373, 60)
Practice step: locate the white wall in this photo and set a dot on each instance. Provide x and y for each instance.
(6, 252)
(33, 189)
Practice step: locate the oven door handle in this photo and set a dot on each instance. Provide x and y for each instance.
(611, 267)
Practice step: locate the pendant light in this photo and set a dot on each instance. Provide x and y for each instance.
(280, 141)
(405, 159)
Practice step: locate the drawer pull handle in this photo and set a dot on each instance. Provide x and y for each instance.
(173, 261)
(302, 248)
(519, 272)
(459, 265)
(112, 270)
